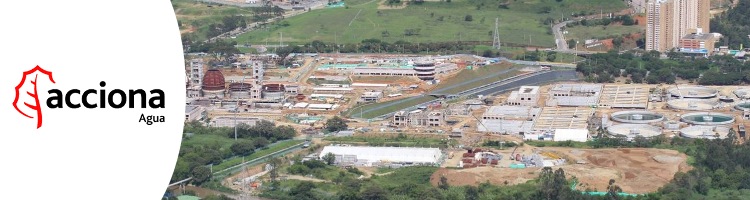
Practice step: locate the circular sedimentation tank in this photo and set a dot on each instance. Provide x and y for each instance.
(634, 130)
(692, 104)
(637, 117)
(693, 92)
(744, 106)
(743, 93)
(705, 132)
(706, 118)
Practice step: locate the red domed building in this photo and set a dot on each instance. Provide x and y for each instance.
(214, 85)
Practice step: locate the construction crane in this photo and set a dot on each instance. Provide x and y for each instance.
(480, 123)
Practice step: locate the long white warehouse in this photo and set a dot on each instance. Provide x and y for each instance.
(373, 156)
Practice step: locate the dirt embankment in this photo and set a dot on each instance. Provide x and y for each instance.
(635, 170)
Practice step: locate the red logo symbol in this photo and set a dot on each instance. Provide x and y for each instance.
(33, 94)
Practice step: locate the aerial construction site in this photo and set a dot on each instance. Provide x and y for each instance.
(472, 101)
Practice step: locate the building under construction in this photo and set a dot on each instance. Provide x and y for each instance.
(419, 118)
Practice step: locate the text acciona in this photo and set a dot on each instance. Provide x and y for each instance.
(58, 99)
(116, 98)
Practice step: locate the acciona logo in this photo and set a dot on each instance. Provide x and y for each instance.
(28, 104)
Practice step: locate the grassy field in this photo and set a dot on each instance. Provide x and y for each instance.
(393, 141)
(479, 76)
(271, 148)
(436, 21)
(401, 104)
(195, 17)
(566, 58)
(591, 32)
(210, 139)
(247, 50)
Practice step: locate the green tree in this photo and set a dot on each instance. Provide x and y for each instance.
(551, 56)
(303, 191)
(571, 43)
(443, 184)
(468, 18)
(181, 170)
(275, 165)
(613, 190)
(472, 193)
(243, 148)
(329, 158)
(200, 175)
(674, 55)
(374, 192)
(487, 53)
(617, 42)
(260, 142)
(336, 124)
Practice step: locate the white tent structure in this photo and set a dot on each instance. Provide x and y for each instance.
(367, 156)
(577, 135)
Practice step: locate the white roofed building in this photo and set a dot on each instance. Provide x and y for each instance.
(377, 156)
(577, 135)
(194, 113)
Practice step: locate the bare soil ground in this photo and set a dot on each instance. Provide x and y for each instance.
(636, 170)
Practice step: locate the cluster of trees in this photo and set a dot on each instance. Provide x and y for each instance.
(336, 123)
(266, 12)
(537, 55)
(606, 142)
(496, 143)
(229, 23)
(625, 20)
(219, 47)
(719, 171)
(306, 167)
(650, 68)
(734, 24)
(265, 129)
(195, 156)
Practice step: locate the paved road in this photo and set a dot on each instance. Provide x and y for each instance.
(504, 85)
(537, 79)
(562, 44)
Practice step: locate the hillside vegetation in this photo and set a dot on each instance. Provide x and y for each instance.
(522, 22)
(734, 25)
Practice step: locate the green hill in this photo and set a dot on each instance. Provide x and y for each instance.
(431, 21)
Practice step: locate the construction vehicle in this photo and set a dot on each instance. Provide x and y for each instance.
(550, 155)
(513, 153)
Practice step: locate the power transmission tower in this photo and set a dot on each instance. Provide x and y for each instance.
(496, 36)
